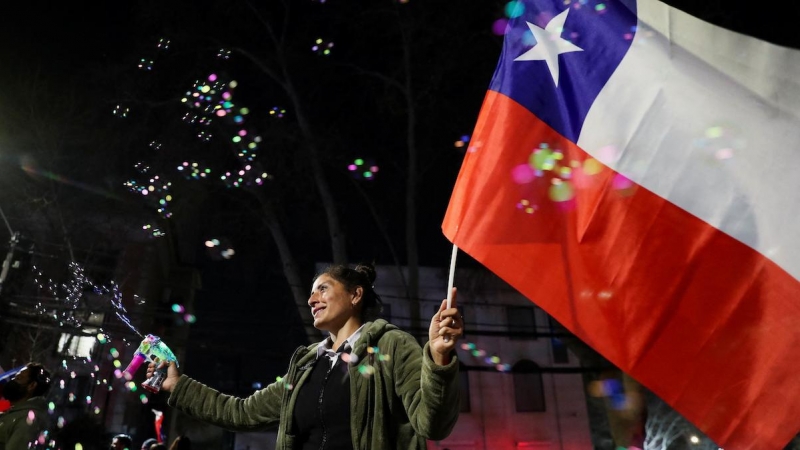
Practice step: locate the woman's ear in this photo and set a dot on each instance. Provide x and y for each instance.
(358, 292)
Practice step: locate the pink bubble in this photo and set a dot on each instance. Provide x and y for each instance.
(619, 182)
(212, 77)
(608, 154)
(523, 174)
(500, 26)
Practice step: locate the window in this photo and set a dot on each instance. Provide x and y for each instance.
(528, 387)
(560, 353)
(463, 375)
(521, 322)
(77, 346)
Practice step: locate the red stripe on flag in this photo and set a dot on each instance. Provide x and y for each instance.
(704, 321)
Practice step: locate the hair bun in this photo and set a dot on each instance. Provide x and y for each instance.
(368, 270)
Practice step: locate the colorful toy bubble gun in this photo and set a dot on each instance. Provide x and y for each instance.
(151, 349)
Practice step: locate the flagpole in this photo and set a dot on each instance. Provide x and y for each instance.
(452, 275)
(450, 279)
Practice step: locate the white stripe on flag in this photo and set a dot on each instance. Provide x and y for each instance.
(707, 119)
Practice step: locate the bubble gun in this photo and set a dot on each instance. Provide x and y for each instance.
(154, 350)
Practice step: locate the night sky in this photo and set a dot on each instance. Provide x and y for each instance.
(85, 55)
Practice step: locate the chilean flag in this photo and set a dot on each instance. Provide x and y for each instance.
(635, 172)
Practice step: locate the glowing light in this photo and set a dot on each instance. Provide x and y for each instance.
(514, 9)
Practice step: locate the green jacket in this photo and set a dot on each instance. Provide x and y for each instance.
(406, 400)
(18, 427)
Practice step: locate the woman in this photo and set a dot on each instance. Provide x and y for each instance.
(367, 386)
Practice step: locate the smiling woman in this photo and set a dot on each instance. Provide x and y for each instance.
(343, 299)
(368, 385)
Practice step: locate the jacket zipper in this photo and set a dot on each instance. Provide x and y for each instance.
(321, 412)
(285, 396)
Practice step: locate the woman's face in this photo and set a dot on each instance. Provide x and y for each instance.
(331, 304)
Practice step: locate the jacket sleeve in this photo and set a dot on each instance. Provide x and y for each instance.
(258, 411)
(429, 392)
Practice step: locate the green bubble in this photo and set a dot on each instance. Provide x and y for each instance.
(514, 9)
(358, 162)
(542, 159)
(714, 132)
(561, 192)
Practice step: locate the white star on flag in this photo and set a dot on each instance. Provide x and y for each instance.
(549, 44)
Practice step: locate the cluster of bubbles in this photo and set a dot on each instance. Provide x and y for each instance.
(362, 170)
(121, 111)
(153, 231)
(69, 293)
(462, 141)
(322, 47)
(512, 10)
(492, 360)
(516, 8)
(194, 119)
(193, 171)
(598, 7)
(225, 251)
(181, 311)
(146, 63)
(553, 166)
(277, 112)
(156, 189)
(213, 98)
(207, 97)
(223, 53)
(720, 143)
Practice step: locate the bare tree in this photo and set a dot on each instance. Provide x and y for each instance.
(668, 430)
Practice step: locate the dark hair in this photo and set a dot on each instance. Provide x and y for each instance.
(158, 446)
(363, 275)
(123, 439)
(37, 373)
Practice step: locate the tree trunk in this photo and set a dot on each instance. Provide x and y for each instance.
(338, 241)
(289, 265)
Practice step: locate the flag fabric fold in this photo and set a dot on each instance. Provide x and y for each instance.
(634, 172)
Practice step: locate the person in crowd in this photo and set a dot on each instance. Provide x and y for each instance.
(27, 417)
(148, 442)
(158, 446)
(368, 385)
(181, 443)
(121, 442)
